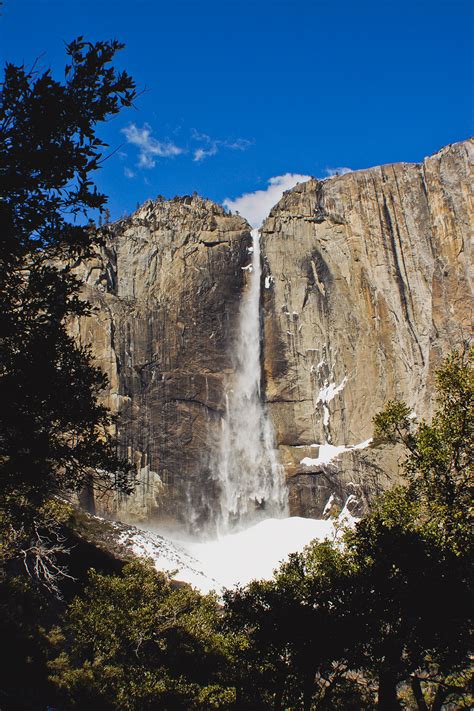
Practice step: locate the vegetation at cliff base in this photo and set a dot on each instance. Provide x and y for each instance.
(387, 615)
(136, 642)
(379, 620)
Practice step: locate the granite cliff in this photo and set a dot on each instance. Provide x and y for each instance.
(165, 289)
(365, 287)
(368, 287)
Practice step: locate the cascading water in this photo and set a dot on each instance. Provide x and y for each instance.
(250, 479)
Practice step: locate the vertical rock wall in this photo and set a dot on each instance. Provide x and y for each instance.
(165, 290)
(368, 286)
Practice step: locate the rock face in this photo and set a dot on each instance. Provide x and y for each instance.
(367, 280)
(365, 287)
(165, 289)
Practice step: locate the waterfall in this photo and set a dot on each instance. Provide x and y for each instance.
(250, 480)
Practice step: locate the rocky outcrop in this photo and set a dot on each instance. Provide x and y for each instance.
(165, 288)
(367, 287)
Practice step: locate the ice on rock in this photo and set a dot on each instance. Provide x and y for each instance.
(330, 391)
(328, 505)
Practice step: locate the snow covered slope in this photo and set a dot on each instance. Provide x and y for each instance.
(233, 559)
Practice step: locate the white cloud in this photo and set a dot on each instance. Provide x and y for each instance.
(128, 173)
(241, 144)
(331, 172)
(201, 153)
(256, 206)
(210, 146)
(150, 147)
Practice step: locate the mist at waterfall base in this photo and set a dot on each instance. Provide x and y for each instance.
(232, 559)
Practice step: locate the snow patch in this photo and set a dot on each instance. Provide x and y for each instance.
(345, 517)
(253, 554)
(328, 452)
(329, 504)
(330, 391)
(168, 556)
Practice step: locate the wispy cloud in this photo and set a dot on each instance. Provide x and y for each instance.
(331, 172)
(129, 173)
(241, 144)
(201, 153)
(210, 146)
(256, 206)
(149, 147)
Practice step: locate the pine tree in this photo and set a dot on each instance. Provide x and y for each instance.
(55, 437)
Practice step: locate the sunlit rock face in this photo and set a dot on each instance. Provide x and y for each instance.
(166, 289)
(368, 286)
(364, 288)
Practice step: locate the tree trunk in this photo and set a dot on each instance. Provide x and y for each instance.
(418, 693)
(308, 686)
(440, 696)
(387, 696)
(278, 696)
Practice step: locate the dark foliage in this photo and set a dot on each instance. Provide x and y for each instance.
(134, 642)
(49, 147)
(54, 435)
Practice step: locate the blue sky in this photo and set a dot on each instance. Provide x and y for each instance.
(239, 92)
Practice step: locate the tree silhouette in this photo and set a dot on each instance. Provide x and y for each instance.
(54, 435)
